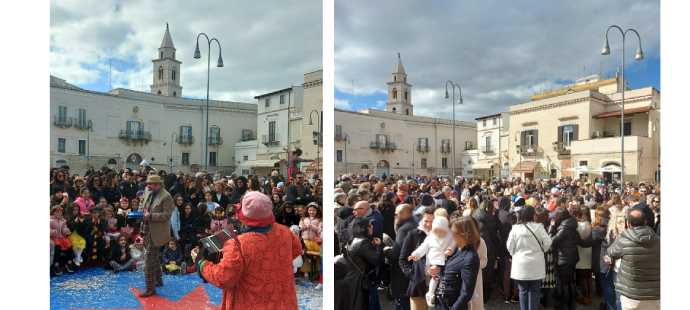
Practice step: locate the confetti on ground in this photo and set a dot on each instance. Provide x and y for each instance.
(100, 289)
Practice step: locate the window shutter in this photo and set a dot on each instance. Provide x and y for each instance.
(560, 134)
(535, 132)
(523, 141)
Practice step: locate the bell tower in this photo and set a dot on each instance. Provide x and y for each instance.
(166, 69)
(399, 91)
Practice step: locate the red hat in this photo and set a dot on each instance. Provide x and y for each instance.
(256, 210)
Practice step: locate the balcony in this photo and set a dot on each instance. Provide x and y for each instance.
(268, 142)
(611, 145)
(82, 124)
(62, 122)
(215, 141)
(339, 136)
(562, 149)
(528, 150)
(488, 149)
(384, 147)
(185, 140)
(423, 148)
(132, 135)
(445, 149)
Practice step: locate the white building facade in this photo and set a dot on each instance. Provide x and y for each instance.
(121, 128)
(576, 131)
(492, 147)
(396, 141)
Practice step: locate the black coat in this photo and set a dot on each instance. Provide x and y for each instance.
(298, 194)
(599, 246)
(414, 271)
(489, 231)
(387, 210)
(399, 282)
(345, 217)
(506, 220)
(223, 201)
(116, 254)
(564, 242)
(128, 189)
(361, 259)
(458, 279)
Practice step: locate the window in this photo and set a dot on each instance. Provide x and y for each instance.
(627, 128)
(61, 145)
(567, 134)
(484, 123)
(381, 140)
(173, 75)
(245, 157)
(487, 143)
(444, 162)
(583, 163)
(160, 72)
(407, 111)
(174, 94)
(469, 145)
(212, 159)
(62, 114)
(82, 118)
(159, 92)
(394, 109)
(423, 163)
(338, 131)
(282, 99)
(134, 128)
(339, 156)
(245, 171)
(214, 134)
(173, 54)
(494, 120)
(161, 55)
(185, 159)
(185, 133)
(529, 139)
(267, 102)
(82, 147)
(272, 131)
(395, 93)
(405, 95)
(246, 134)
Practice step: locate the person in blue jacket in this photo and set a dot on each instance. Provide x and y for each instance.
(459, 275)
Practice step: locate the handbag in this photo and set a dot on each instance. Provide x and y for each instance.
(535, 237)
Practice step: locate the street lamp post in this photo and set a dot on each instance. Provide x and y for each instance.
(639, 55)
(346, 137)
(412, 166)
(172, 141)
(454, 86)
(197, 55)
(317, 133)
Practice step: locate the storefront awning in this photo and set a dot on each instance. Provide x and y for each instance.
(261, 163)
(618, 112)
(526, 167)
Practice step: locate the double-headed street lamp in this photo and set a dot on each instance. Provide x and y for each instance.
(639, 55)
(197, 55)
(453, 86)
(317, 134)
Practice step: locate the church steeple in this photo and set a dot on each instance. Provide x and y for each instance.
(166, 69)
(399, 91)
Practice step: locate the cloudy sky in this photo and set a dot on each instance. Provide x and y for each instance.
(500, 52)
(267, 45)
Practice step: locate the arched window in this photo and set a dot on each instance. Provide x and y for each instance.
(173, 74)
(405, 95)
(161, 55)
(160, 72)
(395, 93)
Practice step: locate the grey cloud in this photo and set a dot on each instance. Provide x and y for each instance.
(497, 50)
(267, 45)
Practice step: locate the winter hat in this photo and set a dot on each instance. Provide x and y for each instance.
(440, 223)
(256, 210)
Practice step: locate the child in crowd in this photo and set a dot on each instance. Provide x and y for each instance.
(173, 261)
(136, 250)
(84, 201)
(435, 247)
(210, 204)
(218, 220)
(120, 257)
(112, 229)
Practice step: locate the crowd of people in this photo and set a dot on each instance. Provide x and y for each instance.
(435, 243)
(95, 218)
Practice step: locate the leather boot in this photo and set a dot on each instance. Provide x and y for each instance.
(147, 293)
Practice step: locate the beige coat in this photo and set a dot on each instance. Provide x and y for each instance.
(477, 301)
(159, 221)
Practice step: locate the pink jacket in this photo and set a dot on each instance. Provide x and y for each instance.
(85, 205)
(58, 228)
(311, 228)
